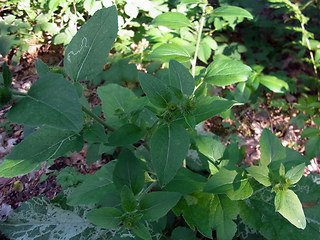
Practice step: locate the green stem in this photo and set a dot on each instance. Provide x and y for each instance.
(17, 93)
(146, 190)
(194, 61)
(95, 117)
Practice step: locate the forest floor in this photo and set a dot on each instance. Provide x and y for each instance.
(247, 127)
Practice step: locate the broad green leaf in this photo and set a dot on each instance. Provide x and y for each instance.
(312, 147)
(197, 210)
(258, 212)
(293, 158)
(310, 132)
(210, 147)
(208, 107)
(231, 11)
(128, 201)
(142, 231)
(42, 145)
(95, 133)
(229, 182)
(288, 205)
(155, 205)
(53, 4)
(273, 83)
(271, 148)
(86, 53)
(129, 172)
(233, 156)
(296, 173)
(186, 182)
(157, 92)
(241, 190)
(261, 174)
(42, 68)
(317, 121)
(94, 187)
(167, 159)
(224, 71)
(183, 233)
(43, 220)
(51, 101)
(173, 20)
(180, 78)
(225, 210)
(125, 135)
(7, 75)
(166, 52)
(106, 217)
(117, 103)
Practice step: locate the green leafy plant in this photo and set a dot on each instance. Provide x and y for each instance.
(149, 136)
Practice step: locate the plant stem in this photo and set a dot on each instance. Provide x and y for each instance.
(95, 117)
(194, 61)
(17, 93)
(146, 190)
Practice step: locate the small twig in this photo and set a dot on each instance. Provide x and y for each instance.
(194, 61)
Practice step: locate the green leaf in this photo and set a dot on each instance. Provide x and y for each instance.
(271, 148)
(296, 173)
(310, 132)
(208, 107)
(53, 4)
(317, 121)
(261, 174)
(155, 205)
(180, 78)
(210, 147)
(273, 83)
(156, 91)
(232, 11)
(142, 231)
(197, 210)
(42, 68)
(128, 172)
(44, 220)
(166, 52)
(117, 103)
(51, 101)
(167, 159)
(229, 182)
(312, 147)
(288, 205)
(94, 187)
(186, 182)
(95, 133)
(7, 75)
(106, 217)
(125, 135)
(225, 211)
(86, 53)
(128, 201)
(42, 145)
(258, 212)
(173, 20)
(224, 71)
(183, 233)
